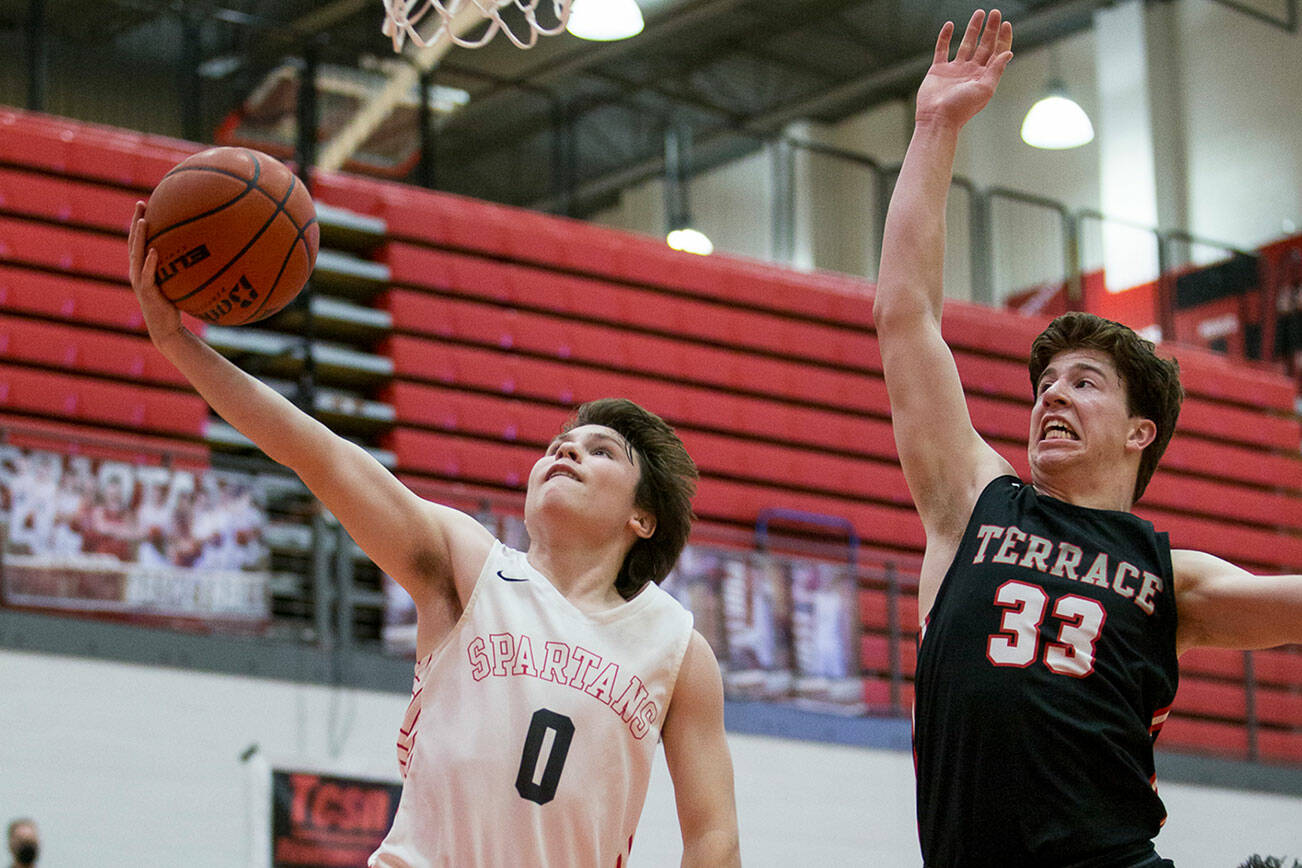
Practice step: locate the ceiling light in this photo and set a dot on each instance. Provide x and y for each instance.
(604, 20)
(1057, 122)
(220, 66)
(690, 241)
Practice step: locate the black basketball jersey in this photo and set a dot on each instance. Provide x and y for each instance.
(1045, 671)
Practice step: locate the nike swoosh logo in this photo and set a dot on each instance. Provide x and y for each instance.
(507, 578)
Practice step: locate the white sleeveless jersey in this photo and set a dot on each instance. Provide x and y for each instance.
(531, 728)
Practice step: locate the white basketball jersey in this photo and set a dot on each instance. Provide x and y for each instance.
(531, 728)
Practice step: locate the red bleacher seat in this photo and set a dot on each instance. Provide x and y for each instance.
(84, 349)
(29, 194)
(1220, 499)
(733, 501)
(1203, 697)
(1279, 745)
(587, 298)
(461, 458)
(85, 150)
(1238, 424)
(698, 407)
(70, 397)
(1205, 373)
(611, 346)
(1234, 541)
(456, 410)
(877, 693)
(715, 454)
(879, 525)
(1238, 463)
(58, 296)
(789, 466)
(875, 654)
(444, 220)
(874, 612)
(1225, 738)
(85, 253)
(27, 432)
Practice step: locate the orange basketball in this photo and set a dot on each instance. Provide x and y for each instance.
(236, 235)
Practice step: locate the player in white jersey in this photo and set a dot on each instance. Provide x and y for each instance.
(545, 678)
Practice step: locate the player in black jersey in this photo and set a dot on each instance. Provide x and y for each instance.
(1053, 617)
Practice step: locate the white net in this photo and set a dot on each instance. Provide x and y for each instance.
(403, 16)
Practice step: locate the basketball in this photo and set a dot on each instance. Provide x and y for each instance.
(236, 235)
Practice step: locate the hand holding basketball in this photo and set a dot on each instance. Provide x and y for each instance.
(161, 316)
(232, 233)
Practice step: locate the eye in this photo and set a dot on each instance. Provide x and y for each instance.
(602, 450)
(1084, 381)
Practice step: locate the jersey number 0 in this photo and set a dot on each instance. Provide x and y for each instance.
(528, 783)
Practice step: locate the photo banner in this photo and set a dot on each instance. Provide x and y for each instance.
(328, 821)
(135, 542)
(783, 628)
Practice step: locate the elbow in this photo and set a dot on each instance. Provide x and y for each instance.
(899, 307)
(718, 848)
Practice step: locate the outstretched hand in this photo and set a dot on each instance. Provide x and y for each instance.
(955, 90)
(161, 316)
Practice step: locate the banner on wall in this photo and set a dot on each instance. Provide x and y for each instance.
(328, 821)
(741, 603)
(783, 628)
(139, 542)
(825, 632)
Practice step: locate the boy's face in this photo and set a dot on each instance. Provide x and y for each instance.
(590, 473)
(1082, 415)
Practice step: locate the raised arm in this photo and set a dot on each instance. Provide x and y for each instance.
(945, 461)
(429, 549)
(1222, 606)
(696, 751)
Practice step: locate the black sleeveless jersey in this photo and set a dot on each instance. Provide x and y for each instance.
(1046, 668)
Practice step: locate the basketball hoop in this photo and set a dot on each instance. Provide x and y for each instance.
(402, 16)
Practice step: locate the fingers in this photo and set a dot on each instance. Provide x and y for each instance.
(986, 46)
(942, 43)
(971, 36)
(136, 242)
(1000, 63)
(151, 265)
(1005, 40)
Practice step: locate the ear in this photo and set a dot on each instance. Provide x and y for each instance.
(643, 524)
(1142, 433)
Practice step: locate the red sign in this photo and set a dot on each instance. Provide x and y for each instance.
(322, 821)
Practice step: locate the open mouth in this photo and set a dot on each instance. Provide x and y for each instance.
(561, 470)
(1056, 429)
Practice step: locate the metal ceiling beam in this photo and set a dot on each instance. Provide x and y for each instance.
(683, 71)
(662, 29)
(1036, 29)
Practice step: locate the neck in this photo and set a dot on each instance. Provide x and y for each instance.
(584, 574)
(1087, 491)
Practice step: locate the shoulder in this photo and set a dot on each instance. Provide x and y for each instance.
(988, 481)
(700, 683)
(1190, 568)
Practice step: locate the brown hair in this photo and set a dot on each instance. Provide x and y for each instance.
(1152, 384)
(664, 488)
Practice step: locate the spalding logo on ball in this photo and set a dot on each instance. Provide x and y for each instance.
(236, 235)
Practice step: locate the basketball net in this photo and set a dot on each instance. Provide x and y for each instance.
(402, 16)
(455, 18)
